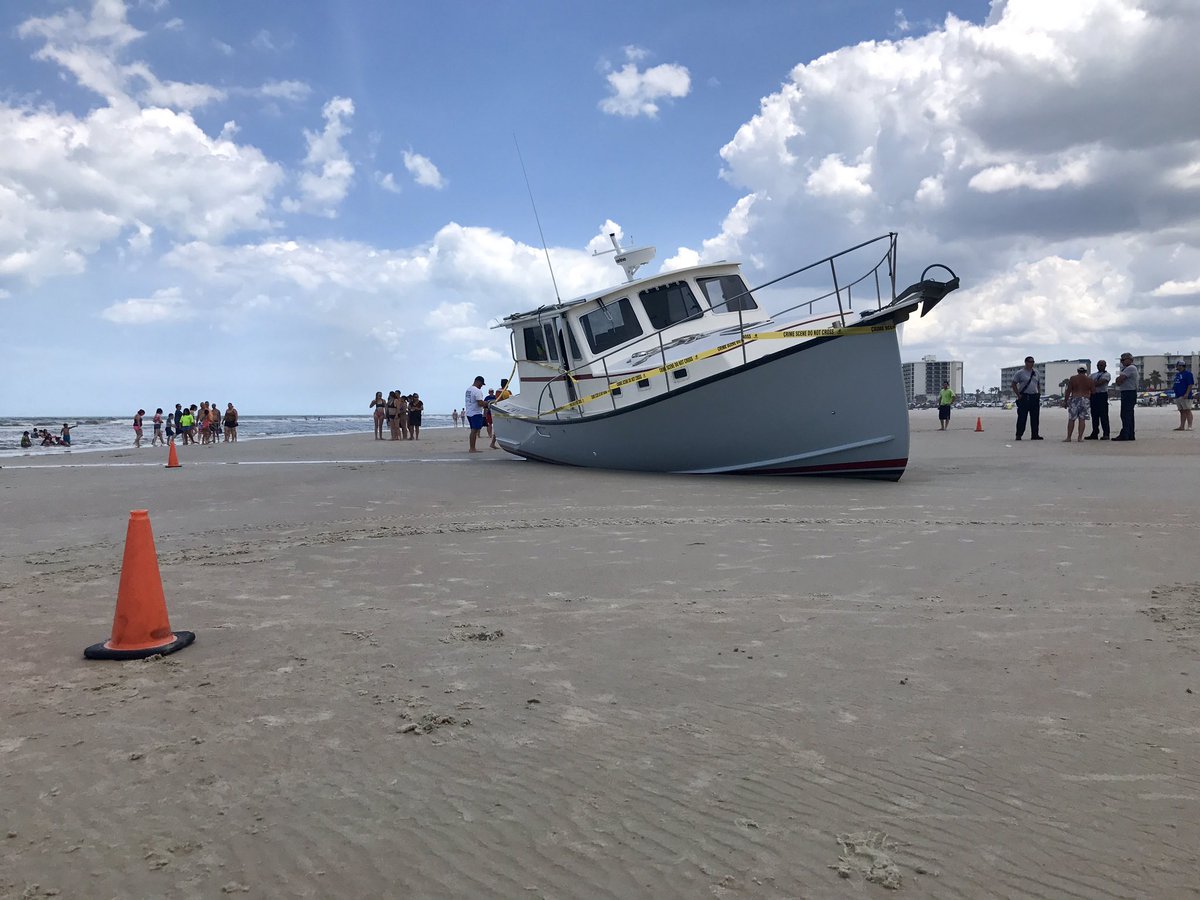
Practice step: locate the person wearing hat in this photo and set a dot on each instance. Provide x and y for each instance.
(1183, 387)
(1078, 400)
(475, 405)
(1028, 388)
(1100, 379)
(1127, 383)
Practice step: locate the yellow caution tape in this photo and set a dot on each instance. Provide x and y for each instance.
(716, 351)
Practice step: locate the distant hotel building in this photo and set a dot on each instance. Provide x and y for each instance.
(924, 378)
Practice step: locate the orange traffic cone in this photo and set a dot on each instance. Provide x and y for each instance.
(140, 626)
(979, 423)
(173, 458)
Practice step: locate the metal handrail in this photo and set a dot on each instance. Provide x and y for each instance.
(889, 257)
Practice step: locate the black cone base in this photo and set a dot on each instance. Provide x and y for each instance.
(99, 651)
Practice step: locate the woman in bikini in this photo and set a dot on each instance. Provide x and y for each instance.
(380, 406)
(231, 419)
(400, 423)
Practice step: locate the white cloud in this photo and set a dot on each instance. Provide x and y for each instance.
(167, 305)
(1177, 288)
(832, 177)
(91, 49)
(637, 92)
(262, 40)
(223, 48)
(387, 181)
(293, 91)
(175, 24)
(424, 172)
(328, 171)
(1051, 156)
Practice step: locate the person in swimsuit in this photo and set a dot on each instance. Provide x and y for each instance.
(137, 428)
(380, 406)
(400, 419)
(158, 433)
(214, 421)
(231, 422)
(415, 408)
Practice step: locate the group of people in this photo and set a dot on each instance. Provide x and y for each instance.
(399, 413)
(477, 410)
(185, 423)
(43, 437)
(1086, 399)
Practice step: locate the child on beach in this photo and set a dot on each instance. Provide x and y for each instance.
(26, 441)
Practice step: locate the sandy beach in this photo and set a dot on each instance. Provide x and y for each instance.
(420, 673)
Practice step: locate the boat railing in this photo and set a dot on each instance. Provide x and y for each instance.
(843, 292)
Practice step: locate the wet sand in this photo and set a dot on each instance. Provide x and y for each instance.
(423, 674)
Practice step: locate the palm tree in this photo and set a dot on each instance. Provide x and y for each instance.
(1155, 378)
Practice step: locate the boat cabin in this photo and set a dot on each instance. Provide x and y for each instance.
(573, 349)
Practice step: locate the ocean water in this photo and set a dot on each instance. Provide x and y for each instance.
(104, 433)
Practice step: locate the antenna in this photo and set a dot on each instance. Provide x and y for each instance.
(545, 249)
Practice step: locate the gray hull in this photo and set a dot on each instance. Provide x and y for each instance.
(829, 407)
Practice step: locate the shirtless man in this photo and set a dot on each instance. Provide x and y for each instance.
(1078, 401)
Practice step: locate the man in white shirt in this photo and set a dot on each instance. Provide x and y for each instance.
(1127, 382)
(1028, 388)
(473, 407)
(1100, 378)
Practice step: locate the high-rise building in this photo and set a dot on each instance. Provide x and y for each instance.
(924, 378)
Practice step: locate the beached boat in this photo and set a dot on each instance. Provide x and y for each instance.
(691, 371)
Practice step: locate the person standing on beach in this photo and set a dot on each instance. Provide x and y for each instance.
(231, 423)
(1078, 401)
(945, 401)
(186, 421)
(65, 434)
(380, 406)
(1028, 388)
(1099, 401)
(487, 414)
(137, 428)
(474, 411)
(1127, 383)
(454, 416)
(416, 406)
(1183, 387)
(504, 394)
(158, 432)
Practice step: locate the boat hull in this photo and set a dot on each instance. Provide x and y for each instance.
(831, 407)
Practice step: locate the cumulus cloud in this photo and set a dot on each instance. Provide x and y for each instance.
(638, 92)
(1050, 155)
(328, 172)
(167, 305)
(424, 172)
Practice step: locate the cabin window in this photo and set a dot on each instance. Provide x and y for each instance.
(679, 374)
(575, 354)
(670, 303)
(643, 384)
(535, 344)
(611, 325)
(551, 343)
(727, 293)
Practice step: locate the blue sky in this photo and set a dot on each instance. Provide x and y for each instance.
(291, 206)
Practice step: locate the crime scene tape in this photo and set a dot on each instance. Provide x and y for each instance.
(716, 351)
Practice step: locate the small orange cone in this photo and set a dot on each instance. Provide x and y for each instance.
(979, 423)
(140, 626)
(173, 458)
